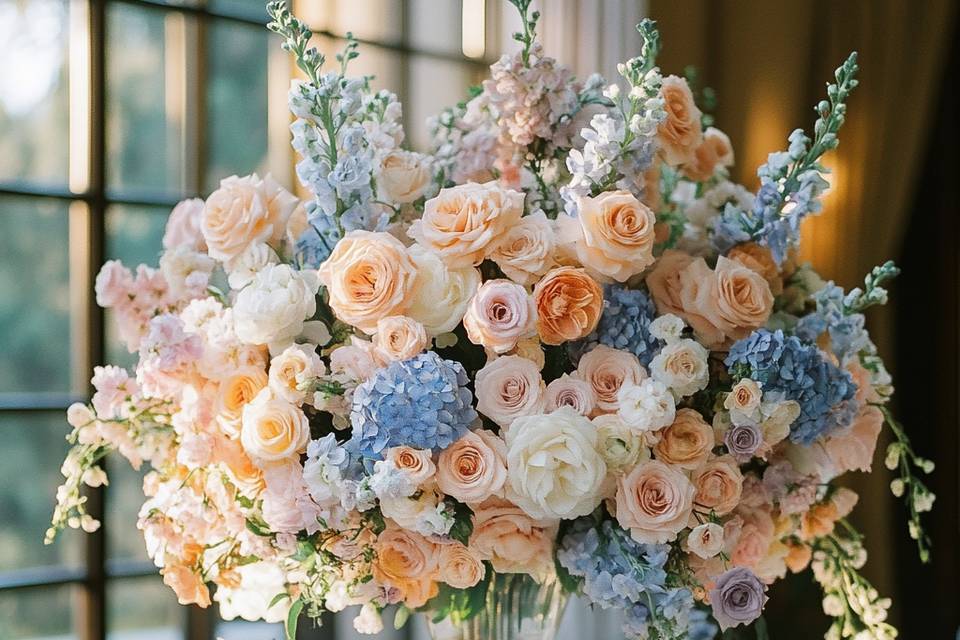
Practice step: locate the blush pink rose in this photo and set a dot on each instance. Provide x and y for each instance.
(474, 467)
(183, 226)
(500, 314)
(526, 250)
(607, 369)
(508, 388)
(728, 303)
(654, 501)
(400, 338)
(567, 391)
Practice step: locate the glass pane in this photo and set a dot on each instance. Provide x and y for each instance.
(34, 295)
(144, 98)
(37, 613)
(143, 609)
(241, 630)
(435, 26)
(254, 9)
(33, 449)
(434, 85)
(236, 100)
(384, 65)
(33, 91)
(124, 499)
(376, 20)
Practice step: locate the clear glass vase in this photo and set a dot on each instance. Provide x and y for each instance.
(516, 608)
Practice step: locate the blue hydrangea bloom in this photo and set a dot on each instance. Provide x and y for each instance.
(799, 371)
(422, 402)
(619, 572)
(624, 324)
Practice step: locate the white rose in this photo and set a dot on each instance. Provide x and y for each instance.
(647, 406)
(440, 294)
(510, 387)
(667, 327)
(292, 369)
(273, 307)
(682, 366)
(272, 429)
(403, 177)
(554, 468)
(706, 540)
(254, 258)
(621, 447)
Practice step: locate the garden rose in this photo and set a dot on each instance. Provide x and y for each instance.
(687, 442)
(526, 250)
(440, 294)
(706, 540)
(459, 566)
(474, 467)
(654, 501)
(500, 314)
(510, 387)
(620, 446)
(682, 366)
(680, 133)
(407, 562)
(733, 302)
(368, 276)
(567, 391)
(737, 598)
(404, 176)
(183, 226)
(607, 370)
(292, 369)
(273, 307)
(569, 303)
(714, 151)
(758, 258)
(511, 540)
(647, 406)
(665, 284)
(273, 429)
(416, 463)
(235, 393)
(718, 484)
(744, 399)
(400, 338)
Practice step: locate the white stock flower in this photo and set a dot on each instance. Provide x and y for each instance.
(187, 272)
(272, 308)
(257, 586)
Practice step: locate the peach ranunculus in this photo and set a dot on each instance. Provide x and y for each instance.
(187, 584)
(719, 484)
(728, 303)
(569, 303)
(612, 235)
(757, 257)
(474, 467)
(680, 133)
(607, 369)
(500, 314)
(509, 387)
(462, 223)
(183, 226)
(400, 338)
(368, 276)
(407, 562)
(404, 176)
(687, 442)
(526, 250)
(714, 151)
(273, 429)
(511, 540)
(243, 211)
(235, 393)
(416, 463)
(654, 501)
(663, 281)
(459, 566)
(852, 448)
(568, 391)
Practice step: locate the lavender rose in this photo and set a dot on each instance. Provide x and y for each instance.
(743, 441)
(737, 598)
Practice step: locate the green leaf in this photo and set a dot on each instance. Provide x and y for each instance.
(293, 617)
(258, 528)
(569, 583)
(760, 626)
(277, 599)
(462, 527)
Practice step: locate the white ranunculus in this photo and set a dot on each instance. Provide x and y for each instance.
(440, 294)
(259, 583)
(682, 366)
(272, 308)
(647, 406)
(554, 468)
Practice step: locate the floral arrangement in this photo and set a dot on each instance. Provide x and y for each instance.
(561, 344)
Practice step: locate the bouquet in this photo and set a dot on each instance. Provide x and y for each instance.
(561, 345)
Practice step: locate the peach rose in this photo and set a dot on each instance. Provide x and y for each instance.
(459, 567)
(567, 391)
(474, 467)
(463, 222)
(680, 133)
(510, 540)
(407, 562)
(697, 283)
(866, 394)
(682, 366)
(852, 448)
(187, 584)
(243, 211)
(400, 338)
(569, 303)
(719, 484)
(663, 281)
(273, 429)
(654, 501)
(612, 235)
(735, 301)
(368, 276)
(687, 442)
(531, 349)
(404, 176)
(759, 259)
(756, 536)
(183, 226)
(509, 387)
(416, 463)
(235, 393)
(500, 314)
(715, 151)
(607, 369)
(526, 250)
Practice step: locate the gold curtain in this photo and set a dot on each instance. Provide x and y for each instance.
(768, 62)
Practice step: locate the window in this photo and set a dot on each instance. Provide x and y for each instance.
(110, 112)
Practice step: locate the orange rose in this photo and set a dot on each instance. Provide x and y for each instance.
(680, 134)
(569, 303)
(687, 442)
(408, 562)
(757, 257)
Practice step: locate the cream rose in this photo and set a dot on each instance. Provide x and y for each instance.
(416, 463)
(293, 369)
(500, 314)
(368, 276)
(680, 133)
(463, 222)
(706, 540)
(273, 307)
(243, 211)
(408, 562)
(567, 391)
(744, 399)
(612, 235)
(511, 540)
(459, 566)
(235, 393)
(607, 370)
(440, 294)
(682, 366)
(569, 303)
(654, 501)
(358, 360)
(183, 226)
(508, 388)
(273, 429)
(404, 176)
(555, 470)
(621, 447)
(526, 250)
(687, 442)
(719, 484)
(400, 338)
(474, 467)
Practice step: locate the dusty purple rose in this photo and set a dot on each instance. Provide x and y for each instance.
(737, 598)
(743, 441)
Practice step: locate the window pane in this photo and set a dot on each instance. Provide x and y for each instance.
(144, 98)
(236, 100)
(143, 609)
(37, 613)
(434, 85)
(33, 91)
(254, 9)
(124, 499)
(436, 26)
(33, 448)
(34, 295)
(377, 20)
